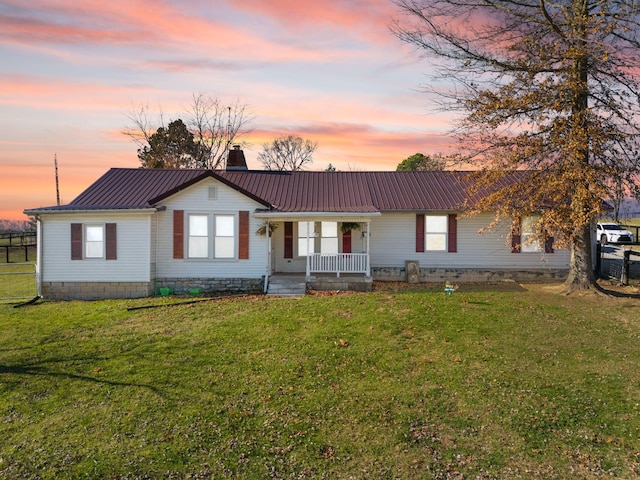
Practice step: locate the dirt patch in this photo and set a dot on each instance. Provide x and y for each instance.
(615, 288)
(607, 287)
(502, 286)
(332, 293)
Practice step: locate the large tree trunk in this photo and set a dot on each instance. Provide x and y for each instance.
(581, 276)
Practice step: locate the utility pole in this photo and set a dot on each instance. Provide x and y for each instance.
(55, 162)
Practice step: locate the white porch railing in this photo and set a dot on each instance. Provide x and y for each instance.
(338, 263)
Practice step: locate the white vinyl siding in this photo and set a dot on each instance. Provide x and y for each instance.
(393, 242)
(228, 202)
(133, 260)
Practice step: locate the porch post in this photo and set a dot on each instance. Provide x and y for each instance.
(308, 253)
(268, 271)
(368, 253)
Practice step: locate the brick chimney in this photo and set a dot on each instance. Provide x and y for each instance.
(236, 160)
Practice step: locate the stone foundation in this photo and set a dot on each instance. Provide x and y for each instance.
(442, 275)
(212, 285)
(352, 283)
(94, 290)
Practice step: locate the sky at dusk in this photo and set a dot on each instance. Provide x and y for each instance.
(329, 70)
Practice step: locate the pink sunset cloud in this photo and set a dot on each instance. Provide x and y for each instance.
(72, 71)
(61, 93)
(146, 23)
(370, 17)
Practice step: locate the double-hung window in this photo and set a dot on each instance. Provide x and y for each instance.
(225, 233)
(198, 244)
(435, 232)
(329, 238)
(528, 235)
(94, 241)
(211, 236)
(306, 238)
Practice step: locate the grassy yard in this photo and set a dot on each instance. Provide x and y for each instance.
(17, 254)
(505, 383)
(17, 281)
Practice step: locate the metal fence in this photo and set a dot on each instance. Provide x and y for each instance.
(17, 281)
(619, 262)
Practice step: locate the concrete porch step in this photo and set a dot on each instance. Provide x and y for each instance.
(286, 286)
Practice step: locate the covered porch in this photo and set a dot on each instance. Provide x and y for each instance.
(318, 245)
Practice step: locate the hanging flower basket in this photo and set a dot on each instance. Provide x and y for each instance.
(262, 231)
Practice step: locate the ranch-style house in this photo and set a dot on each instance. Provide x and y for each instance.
(135, 231)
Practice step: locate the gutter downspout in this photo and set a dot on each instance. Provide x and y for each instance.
(268, 270)
(309, 253)
(368, 252)
(39, 248)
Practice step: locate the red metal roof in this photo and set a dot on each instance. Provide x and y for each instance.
(301, 191)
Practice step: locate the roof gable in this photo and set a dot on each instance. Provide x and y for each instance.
(199, 178)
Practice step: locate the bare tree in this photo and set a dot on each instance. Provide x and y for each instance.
(144, 126)
(214, 126)
(289, 152)
(549, 97)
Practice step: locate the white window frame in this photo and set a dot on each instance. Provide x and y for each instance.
(329, 238)
(436, 233)
(528, 230)
(306, 242)
(89, 245)
(221, 240)
(220, 245)
(197, 238)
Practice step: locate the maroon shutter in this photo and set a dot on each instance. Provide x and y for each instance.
(515, 243)
(111, 241)
(76, 241)
(516, 238)
(452, 246)
(548, 245)
(419, 232)
(243, 236)
(178, 234)
(288, 239)
(346, 242)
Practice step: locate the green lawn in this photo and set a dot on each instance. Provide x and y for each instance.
(17, 254)
(494, 383)
(17, 280)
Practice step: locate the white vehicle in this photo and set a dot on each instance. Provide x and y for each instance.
(612, 233)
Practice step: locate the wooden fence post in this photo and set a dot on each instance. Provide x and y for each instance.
(625, 267)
